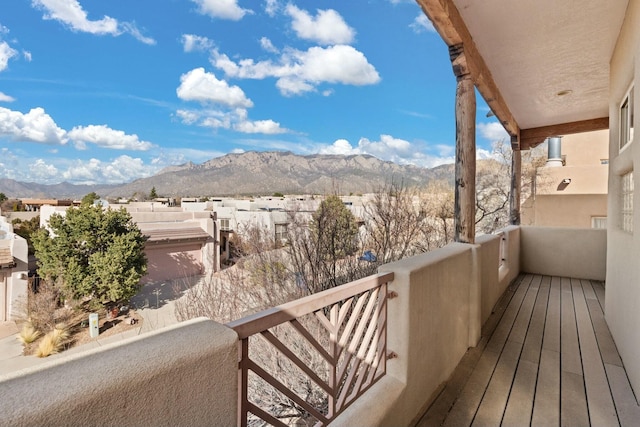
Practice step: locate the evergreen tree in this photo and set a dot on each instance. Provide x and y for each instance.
(92, 252)
(153, 194)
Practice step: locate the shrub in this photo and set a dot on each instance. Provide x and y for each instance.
(52, 342)
(28, 334)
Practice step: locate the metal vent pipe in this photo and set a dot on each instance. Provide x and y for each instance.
(554, 156)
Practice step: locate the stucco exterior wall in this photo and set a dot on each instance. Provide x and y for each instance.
(169, 262)
(567, 211)
(184, 375)
(559, 251)
(623, 268)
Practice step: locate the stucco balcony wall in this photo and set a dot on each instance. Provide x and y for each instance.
(580, 253)
(178, 376)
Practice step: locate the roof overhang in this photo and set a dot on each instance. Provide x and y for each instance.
(542, 66)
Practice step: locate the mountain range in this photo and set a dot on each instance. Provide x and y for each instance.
(251, 173)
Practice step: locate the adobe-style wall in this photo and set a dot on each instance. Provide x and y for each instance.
(559, 251)
(623, 269)
(184, 375)
(444, 296)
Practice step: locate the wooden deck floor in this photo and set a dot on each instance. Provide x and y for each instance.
(546, 358)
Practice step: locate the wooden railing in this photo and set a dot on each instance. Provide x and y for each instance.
(311, 358)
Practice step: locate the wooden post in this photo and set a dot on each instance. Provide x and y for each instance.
(465, 190)
(516, 187)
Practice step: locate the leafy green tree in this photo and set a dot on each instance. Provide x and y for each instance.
(3, 197)
(26, 229)
(278, 194)
(88, 199)
(153, 194)
(92, 252)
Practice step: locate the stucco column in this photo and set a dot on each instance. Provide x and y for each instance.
(465, 169)
(516, 187)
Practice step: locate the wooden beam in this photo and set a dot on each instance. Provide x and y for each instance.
(516, 187)
(447, 21)
(465, 168)
(529, 138)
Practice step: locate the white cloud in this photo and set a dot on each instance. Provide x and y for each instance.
(71, 13)
(198, 85)
(3, 29)
(103, 136)
(301, 71)
(271, 7)
(35, 126)
(6, 53)
(422, 23)
(266, 44)
(326, 28)
(268, 127)
(26, 55)
(40, 171)
(236, 119)
(191, 43)
(390, 149)
(6, 98)
(223, 9)
(122, 169)
(493, 131)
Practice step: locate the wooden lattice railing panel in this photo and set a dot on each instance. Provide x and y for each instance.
(311, 358)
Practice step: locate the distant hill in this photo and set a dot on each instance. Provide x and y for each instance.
(251, 173)
(256, 173)
(64, 190)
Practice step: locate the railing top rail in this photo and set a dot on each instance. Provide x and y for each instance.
(266, 319)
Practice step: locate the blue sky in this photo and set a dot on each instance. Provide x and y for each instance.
(95, 91)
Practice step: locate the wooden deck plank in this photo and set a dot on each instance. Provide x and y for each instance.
(551, 339)
(464, 409)
(573, 401)
(602, 411)
(546, 406)
(608, 349)
(546, 363)
(502, 331)
(533, 342)
(570, 348)
(520, 405)
(495, 398)
(625, 401)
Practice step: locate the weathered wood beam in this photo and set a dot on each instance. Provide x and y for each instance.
(447, 21)
(529, 138)
(516, 187)
(465, 168)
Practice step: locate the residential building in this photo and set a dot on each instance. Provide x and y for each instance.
(570, 189)
(14, 261)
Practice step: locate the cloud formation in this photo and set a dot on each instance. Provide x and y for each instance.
(71, 14)
(298, 71)
(422, 24)
(103, 136)
(38, 126)
(6, 53)
(388, 148)
(6, 98)
(204, 87)
(327, 27)
(225, 106)
(35, 126)
(222, 9)
(193, 43)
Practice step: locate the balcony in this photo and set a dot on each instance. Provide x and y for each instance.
(451, 340)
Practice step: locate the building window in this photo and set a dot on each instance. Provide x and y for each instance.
(604, 161)
(281, 232)
(627, 202)
(225, 224)
(599, 222)
(626, 119)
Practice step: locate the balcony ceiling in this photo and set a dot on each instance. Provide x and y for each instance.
(549, 59)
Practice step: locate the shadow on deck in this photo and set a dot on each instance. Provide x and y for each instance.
(546, 357)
